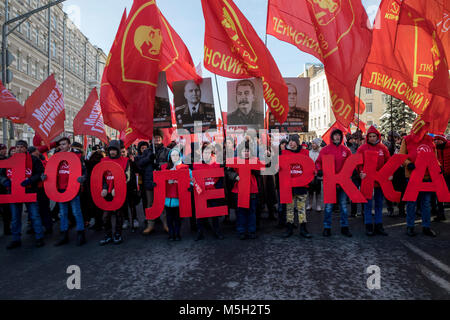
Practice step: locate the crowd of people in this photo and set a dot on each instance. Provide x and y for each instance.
(140, 162)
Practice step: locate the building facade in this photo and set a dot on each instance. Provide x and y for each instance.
(76, 63)
(321, 116)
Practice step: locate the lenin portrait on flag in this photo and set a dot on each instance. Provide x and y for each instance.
(298, 99)
(194, 102)
(245, 104)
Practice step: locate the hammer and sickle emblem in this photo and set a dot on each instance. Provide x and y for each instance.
(395, 8)
(228, 23)
(325, 10)
(147, 41)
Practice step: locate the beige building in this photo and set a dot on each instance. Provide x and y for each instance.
(321, 116)
(77, 64)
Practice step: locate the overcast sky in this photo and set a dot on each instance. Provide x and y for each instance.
(99, 20)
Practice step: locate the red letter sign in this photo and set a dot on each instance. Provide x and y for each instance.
(244, 171)
(120, 186)
(424, 161)
(159, 196)
(381, 176)
(51, 170)
(286, 161)
(17, 165)
(331, 179)
(201, 206)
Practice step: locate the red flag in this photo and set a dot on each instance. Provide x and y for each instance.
(45, 110)
(360, 106)
(359, 124)
(233, 49)
(9, 106)
(134, 65)
(89, 120)
(336, 125)
(405, 58)
(129, 136)
(335, 32)
(176, 60)
(112, 109)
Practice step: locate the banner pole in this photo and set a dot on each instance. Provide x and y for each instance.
(220, 107)
(359, 99)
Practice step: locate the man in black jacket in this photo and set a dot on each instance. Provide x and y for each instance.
(34, 170)
(4, 207)
(151, 160)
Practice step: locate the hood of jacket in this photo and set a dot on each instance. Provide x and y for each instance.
(372, 129)
(339, 131)
(114, 144)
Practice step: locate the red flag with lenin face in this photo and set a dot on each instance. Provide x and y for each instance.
(89, 120)
(114, 114)
(176, 60)
(134, 66)
(45, 111)
(335, 32)
(233, 49)
(408, 61)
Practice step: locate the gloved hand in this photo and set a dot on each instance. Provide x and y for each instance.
(320, 173)
(113, 192)
(25, 182)
(43, 177)
(191, 189)
(81, 179)
(7, 183)
(411, 166)
(104, 193)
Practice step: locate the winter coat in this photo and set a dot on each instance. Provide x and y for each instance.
(234, 173)
(172, 200)
(340, 153)
(34, 170)
(149, 162)
(412, 148)
(297, 170)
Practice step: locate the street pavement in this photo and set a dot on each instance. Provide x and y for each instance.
(269, 267)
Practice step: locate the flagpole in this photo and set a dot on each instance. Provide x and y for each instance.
(220, 107)
(392, 124)
(359, 98)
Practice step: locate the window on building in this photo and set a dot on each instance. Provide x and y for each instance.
(368, 91)
(325, 120)
(36, 70)
(369, 107)
(53, 49)
(19, 61)
(28, 65)
(27, 27)
(36, 36)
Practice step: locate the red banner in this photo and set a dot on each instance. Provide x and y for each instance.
(113, 111)
(134, 65)
(9, 106)
(327, 135)
(233, 49)
(89, 120)
(335, 32)
(45, 110)
(408, 61)
(176, 60)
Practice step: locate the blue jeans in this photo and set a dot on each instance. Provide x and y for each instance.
(378, 199)
(425, 208)
(342, 200)
(76, 210)
(16, 222)
(246, 218)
